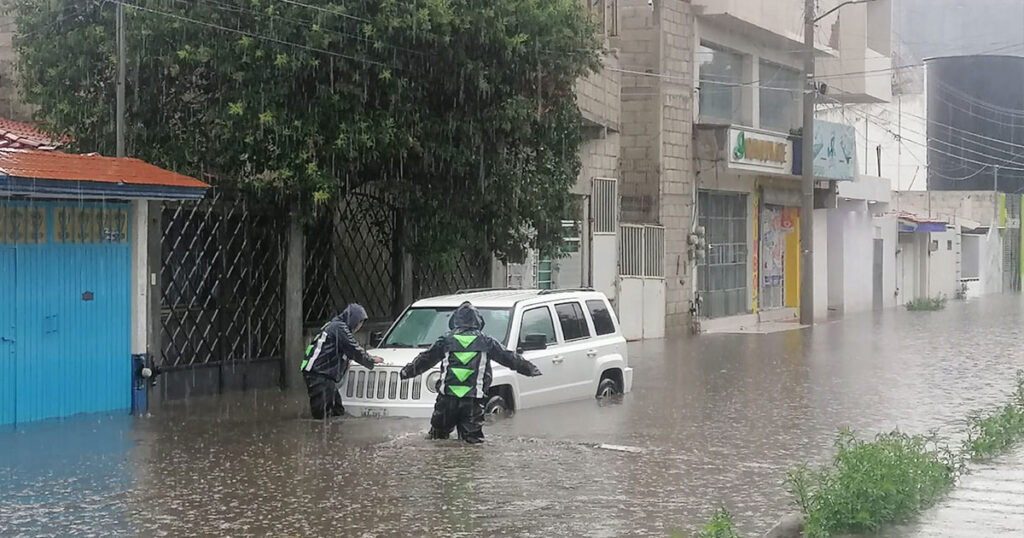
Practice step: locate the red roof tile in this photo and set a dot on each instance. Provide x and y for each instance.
(15, 134)
(30, 164)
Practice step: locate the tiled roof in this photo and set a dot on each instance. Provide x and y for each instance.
(15, 134)
(28, 164)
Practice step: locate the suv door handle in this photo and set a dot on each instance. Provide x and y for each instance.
(5, 339)
(592, 353)
(557, 360)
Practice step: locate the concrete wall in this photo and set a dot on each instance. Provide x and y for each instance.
(991, 262)
(835, 233)
(858, 255)
(821, 265)
(886, 230)
(977, 206)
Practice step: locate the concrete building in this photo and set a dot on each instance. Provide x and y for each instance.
(749, 91)
(956, 244)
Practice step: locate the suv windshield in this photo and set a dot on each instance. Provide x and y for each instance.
(420, 327)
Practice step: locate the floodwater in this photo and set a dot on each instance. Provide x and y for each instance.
(717, 420)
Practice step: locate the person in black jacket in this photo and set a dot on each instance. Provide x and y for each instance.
(465, 354)
(327, 360)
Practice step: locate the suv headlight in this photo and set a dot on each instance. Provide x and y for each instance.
(432, 380)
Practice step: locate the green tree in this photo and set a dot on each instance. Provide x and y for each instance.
(461, 113)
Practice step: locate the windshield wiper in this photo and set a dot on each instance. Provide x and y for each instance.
(397, 346)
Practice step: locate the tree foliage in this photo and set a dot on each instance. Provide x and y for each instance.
(461, 113)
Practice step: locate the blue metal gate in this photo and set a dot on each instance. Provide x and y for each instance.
(71, 320)
(8, 326)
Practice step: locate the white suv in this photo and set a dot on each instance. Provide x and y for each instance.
(571, 335)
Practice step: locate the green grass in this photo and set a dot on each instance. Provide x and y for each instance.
(872, 483)
(989, 435)
(927, 304)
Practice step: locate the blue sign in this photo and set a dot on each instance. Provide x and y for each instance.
(834, 150)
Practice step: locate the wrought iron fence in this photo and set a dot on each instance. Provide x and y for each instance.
(349, 255)
(222, 280)
(469, 270)
(348, 259)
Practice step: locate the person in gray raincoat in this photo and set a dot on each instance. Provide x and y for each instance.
(465, 354)
(327, 359)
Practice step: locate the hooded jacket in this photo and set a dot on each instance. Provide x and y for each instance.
(465, 354)
(334, 346)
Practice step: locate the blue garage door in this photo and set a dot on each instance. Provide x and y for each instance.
(69, 348)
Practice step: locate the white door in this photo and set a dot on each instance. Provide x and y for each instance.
(573, 365)
(534, 391)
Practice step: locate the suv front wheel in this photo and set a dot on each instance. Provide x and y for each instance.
(497, 406)
(608, 388)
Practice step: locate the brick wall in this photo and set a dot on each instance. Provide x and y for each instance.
(656, 52)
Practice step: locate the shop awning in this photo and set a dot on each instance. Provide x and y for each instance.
(47, 174)
(910, 223)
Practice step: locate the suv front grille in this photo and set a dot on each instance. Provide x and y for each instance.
(380, 384)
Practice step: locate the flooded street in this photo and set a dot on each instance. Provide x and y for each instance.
(717, 420)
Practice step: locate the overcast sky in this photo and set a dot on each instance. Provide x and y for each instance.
(952, 27)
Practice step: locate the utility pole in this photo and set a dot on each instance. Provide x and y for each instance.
(995, 179)
(120, 79)
(807, 205)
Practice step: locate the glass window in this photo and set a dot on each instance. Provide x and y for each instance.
(544, 280)
(720, 75)
(571, 236)
(602, 317)
(538, 321)
(421, 327)
(574, 325)
(780, 97)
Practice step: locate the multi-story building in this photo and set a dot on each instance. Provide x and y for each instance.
(749, 95)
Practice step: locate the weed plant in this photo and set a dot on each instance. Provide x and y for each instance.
(720, 526)
(927, 304)
(989, 435)
(871, 483)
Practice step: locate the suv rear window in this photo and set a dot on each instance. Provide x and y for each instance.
(603, 323)
(574, 325)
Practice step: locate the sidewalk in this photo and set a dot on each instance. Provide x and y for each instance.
(988, 503)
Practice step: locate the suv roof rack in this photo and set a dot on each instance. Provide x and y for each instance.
(480, 290)
(563, 290)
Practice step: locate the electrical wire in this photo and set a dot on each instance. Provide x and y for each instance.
(250, 34)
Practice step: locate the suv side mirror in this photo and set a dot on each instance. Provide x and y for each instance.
(376, 337)
(533, 342)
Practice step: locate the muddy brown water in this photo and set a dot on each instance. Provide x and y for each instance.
(714, 420)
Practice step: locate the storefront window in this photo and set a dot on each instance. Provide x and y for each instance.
(780, 97)
(721, 92)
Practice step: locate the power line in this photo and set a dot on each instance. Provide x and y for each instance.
(325, 10)
(964, 131)
(239, 9)
(251, 34)
(981, 102)
(901, 139)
